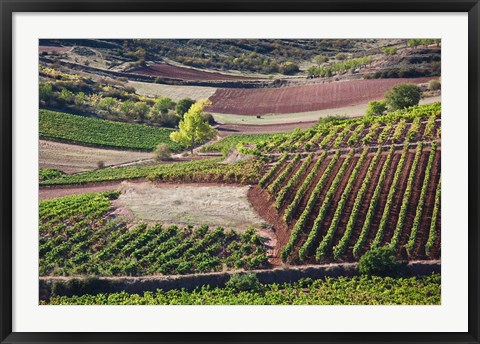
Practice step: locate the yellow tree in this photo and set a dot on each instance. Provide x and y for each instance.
(193, 129)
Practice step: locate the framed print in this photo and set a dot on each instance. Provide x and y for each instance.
(211, 171)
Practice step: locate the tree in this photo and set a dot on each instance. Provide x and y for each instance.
(183, 106)
(289, 68)
(107, 104)
(376, 108)
(193, 128)
(46, 91)
(319, 59)
(163, 104)
(402, 96)
(414, 42)
(140, 109)
(381, 261)
(162, 152)
(127, 108)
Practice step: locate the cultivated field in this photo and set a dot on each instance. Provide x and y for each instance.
(173, 92)
(363, 185)
(287, 121)
(71, 158)
(184, 73)
(302, 98)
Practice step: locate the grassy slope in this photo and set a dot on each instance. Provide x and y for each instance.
(98, 132)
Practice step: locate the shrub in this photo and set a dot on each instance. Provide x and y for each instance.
(402, 96)
(244, 282)
(183, 106)
(289, 68)
(381, 261)
(376, 108)
(208, 117)
(162, 152)
(434, 85)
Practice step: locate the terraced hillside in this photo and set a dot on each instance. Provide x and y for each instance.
(347, 186)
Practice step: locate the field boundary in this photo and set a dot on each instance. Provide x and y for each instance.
(69, 286)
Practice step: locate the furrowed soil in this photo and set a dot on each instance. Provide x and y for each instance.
(184, 73)
(72, 158)
(302, 98)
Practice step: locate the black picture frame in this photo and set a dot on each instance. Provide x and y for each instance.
(8, 7)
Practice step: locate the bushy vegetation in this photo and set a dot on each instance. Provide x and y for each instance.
(338, 67)
(108, 99)
(227, 143)
(99, 132)
(402, 96)
(77, 237)
(381, 261)
(332, 291)
(48, 173)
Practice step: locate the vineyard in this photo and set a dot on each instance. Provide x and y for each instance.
(348, 186)
(206, 170)
(333, 291)
(79, 237)
(98, 132)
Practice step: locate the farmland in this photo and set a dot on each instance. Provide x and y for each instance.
(301, 98)
(340, 203)
(240, 172)
(72, 158)
(92, 131)
(182, 73)
(206, 170)
(334, 291)
(91, 243)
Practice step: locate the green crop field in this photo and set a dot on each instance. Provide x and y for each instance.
(192, 171)
(78, 237)
(99, 132)
(332, 291)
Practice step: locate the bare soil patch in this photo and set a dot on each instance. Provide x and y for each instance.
(190, 204)
(302, 98)
(72, 158)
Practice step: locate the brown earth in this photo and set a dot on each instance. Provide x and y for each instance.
(184, 73)
(305, 98)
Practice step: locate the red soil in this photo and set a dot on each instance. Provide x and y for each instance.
(183, 73)
(302, 98)
(263, 203)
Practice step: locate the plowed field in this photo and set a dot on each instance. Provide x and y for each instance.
(182, 73)
(302, 98)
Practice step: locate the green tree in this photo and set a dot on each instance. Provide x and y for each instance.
(127, 108)
(183, 106)
(163, 104)
(140, 110)
(107, 104)
(376, 108)
(80, 100)
(413, 43)
(193, 128)
(46, 91)
(319, 59)
(244, 282)
(402, 96)
(381, 261)
(289, 68)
